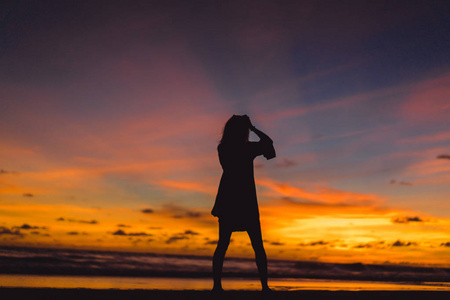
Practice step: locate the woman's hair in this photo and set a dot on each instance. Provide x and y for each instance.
(236, 130)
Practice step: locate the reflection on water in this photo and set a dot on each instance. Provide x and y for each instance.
(92, 282)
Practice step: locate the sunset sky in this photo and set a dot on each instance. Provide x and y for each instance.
(111, 111)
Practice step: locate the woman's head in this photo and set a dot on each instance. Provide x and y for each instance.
(236, 130)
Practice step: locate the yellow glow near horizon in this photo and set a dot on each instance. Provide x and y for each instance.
(373, 239)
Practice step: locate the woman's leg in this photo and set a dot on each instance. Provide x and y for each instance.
(219, 255)
(260, 255)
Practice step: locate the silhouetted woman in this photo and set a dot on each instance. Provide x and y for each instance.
(236, 205)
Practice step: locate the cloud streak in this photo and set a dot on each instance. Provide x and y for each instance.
(92, 222)
(406, 220)
(12, 232)
(123, 233)
(322, 196)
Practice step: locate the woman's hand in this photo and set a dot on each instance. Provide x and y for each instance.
(249, 123)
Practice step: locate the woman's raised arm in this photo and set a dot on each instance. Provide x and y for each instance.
(264, 137)
(266, 142)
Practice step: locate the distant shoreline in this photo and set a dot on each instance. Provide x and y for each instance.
(113, 294)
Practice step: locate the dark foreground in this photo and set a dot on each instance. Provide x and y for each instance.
(85, 294)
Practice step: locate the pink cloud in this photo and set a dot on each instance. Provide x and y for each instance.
(428, 138)
(429, 101)
(429, 167)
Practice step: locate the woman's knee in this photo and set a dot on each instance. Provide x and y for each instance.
(222, 244)
(258, 248)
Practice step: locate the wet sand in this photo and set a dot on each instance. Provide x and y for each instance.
(111, 294)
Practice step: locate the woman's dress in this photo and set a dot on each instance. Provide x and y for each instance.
(236, 204)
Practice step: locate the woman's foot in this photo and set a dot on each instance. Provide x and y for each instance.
(217, 290)
(266, 289)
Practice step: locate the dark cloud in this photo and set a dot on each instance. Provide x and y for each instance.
(317, 243)
(193, 214)
(212, 242)
(399, 243)
(403, 183)
(26, 227)
(286, 163)
(123, 226)
(139, 234)
(7, 231)
(406, 220)
(147, 211)
(119, 232)
(83, 221)
(155, 228)
(190, 232)
(188, 214)
(179, 212)
(377, 244)
(78, 221)
(176, 238)
(28, 195)
(443, 156)
(40, 233)
(77, 233)
(362, 246)
(277, 244)
(181, 236)
(447, 244)
(123, 233)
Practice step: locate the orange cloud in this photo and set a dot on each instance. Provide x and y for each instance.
(322, 196)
